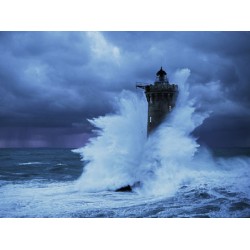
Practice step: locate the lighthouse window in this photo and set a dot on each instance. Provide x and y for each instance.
(150, 119)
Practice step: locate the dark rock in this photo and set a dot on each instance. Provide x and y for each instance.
(127, 188)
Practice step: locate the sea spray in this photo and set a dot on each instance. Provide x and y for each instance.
(169, 159)
(114, 155)
(121, 155)
(170, 150)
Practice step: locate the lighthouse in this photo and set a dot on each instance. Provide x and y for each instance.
(161, 97)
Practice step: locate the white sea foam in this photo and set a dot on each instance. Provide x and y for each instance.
(114, 155)
(32, 163)
(121, 154)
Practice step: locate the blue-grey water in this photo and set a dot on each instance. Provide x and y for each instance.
(43, 183)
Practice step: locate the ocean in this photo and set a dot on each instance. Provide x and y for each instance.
(179, 178)
(43, 183)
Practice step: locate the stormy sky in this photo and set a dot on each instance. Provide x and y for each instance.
(51, 82)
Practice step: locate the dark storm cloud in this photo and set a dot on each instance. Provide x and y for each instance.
(211, 56)
(45, 79)
(227, 55)
(56, 80)
(42, 137)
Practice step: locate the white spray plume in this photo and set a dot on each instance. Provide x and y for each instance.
(121, 154)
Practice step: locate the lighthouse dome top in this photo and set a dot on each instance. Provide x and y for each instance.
(161, 72)
(161, 77)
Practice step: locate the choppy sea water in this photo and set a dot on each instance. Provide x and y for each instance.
(43, 183)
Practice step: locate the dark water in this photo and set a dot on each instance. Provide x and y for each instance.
(17, 165)
(43, 183)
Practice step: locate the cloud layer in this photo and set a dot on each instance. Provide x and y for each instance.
(51, 82)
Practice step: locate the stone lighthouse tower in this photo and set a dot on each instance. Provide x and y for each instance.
(161, 97)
